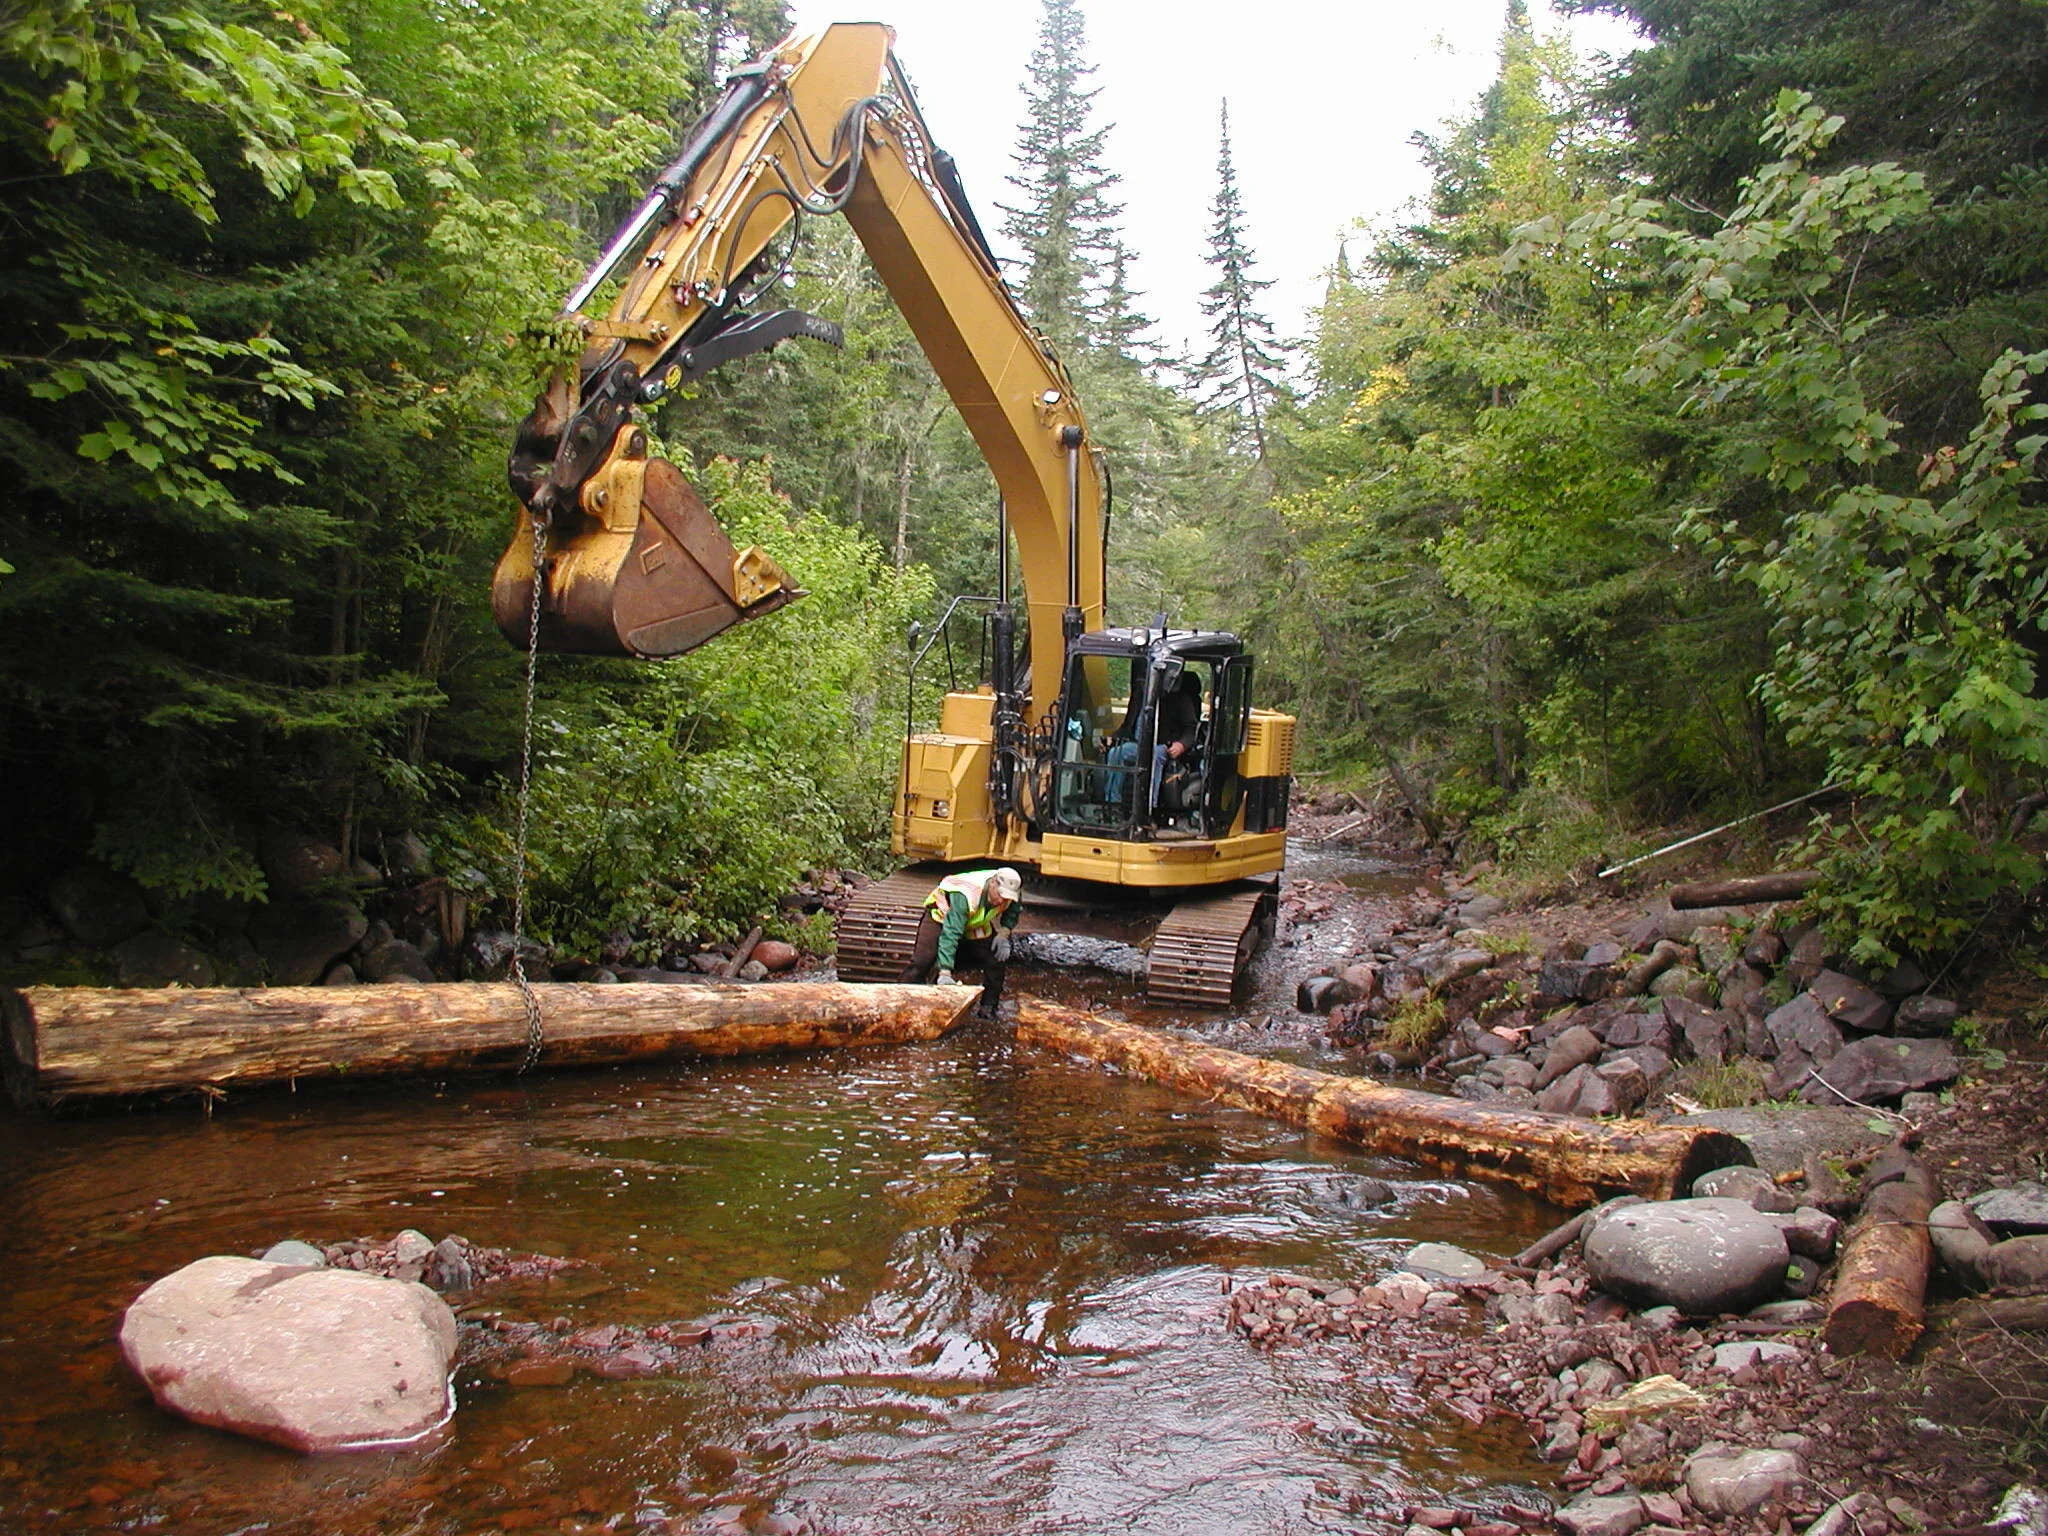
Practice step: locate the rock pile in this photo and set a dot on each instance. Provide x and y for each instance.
(1599, 1028)
(327, 920)
(1657, 1422)
(452, 1264)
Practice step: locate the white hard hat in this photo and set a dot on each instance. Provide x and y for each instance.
(1006, 883)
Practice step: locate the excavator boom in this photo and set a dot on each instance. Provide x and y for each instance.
(628, 558)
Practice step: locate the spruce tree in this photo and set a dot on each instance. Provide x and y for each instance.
(1241, 376)
(1065, 220)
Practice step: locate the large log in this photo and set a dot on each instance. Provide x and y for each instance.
(1878, 1303)
(1565, 1160)
(1788, 885)
(90, 1042)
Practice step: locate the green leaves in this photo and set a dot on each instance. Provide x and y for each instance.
(119, 88)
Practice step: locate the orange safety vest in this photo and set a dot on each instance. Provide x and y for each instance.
(973, 886)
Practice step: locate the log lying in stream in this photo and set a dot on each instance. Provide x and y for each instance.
(1565, 1160)
(92, 1042)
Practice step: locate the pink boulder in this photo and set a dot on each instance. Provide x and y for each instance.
(313, 1359)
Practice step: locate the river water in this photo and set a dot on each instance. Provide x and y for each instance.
(998, 1279)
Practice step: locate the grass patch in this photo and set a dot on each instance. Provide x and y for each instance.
(1732, 1085)
(1415, 1023)
(1498, 944)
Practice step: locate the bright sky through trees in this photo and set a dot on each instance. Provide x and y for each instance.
(1321, 113)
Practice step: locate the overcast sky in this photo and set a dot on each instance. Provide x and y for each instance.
(1321, 111)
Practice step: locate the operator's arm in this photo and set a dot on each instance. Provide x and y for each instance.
(950, 931)
(1011, 913)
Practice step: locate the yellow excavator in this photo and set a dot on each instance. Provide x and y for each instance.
(1125, 768)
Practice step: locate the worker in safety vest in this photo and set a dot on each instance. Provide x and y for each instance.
(968, 918)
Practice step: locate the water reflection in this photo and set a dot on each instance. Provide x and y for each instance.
(999, 1279)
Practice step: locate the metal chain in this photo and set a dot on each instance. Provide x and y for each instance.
(526, 992)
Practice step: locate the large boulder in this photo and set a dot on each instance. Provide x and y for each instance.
(1925, 1016)
(312, 1359)
(2016, 1210)
(1728, 1480)
(1961, 1239)
(153, 958)
(1573, 979)
(1782, 1136)
(1575, 1047)
(1704, 1257)
(1652, 1030)
(1708, 1032)
(1803, 1025)
(300, 938)
(98, 906)
(298, 865)
(1850, 1003)
(2019, 1265)
(395, 960)
(1880, 1068)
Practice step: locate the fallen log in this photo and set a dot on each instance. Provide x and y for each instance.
(2024, 1314)
(1562, 1159)
(88, 1042)
(1787, 885)
(1878, 1303)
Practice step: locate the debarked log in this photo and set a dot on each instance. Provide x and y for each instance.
(1879, 1299)
(90, 1042)
(1565, 1160)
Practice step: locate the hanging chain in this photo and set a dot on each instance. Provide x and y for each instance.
(526, 992)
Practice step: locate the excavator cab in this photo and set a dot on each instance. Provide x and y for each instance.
(1131, 697)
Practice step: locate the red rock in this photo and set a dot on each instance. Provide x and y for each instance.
(1435, 1516)
(775, 955)
(716, 1460)
(539, 1373)
(630, 1363)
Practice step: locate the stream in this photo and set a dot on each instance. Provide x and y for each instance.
(997, 1281)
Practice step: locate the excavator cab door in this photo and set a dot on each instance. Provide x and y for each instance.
(1230, 714)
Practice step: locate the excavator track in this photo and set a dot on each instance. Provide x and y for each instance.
(1205, 944)
(879, 925)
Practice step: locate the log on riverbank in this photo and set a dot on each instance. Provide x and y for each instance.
(70, 1043)
(1786, 885)
(1565, 1160)
(1879, 1301)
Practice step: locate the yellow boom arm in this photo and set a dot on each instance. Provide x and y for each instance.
(630, 561)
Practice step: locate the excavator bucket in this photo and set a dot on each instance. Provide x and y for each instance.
(646, 570)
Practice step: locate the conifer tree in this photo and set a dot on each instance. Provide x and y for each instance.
(1241, 375)
(1065, 220)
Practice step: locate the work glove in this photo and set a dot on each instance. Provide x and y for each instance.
(943, 979)
(999, 948)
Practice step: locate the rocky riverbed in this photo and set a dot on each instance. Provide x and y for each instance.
(1738, 1419)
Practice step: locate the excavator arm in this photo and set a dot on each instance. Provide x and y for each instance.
(628, 559)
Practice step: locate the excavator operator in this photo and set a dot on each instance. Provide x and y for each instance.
(969, 916)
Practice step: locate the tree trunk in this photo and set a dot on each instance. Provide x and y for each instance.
(90, 1042)
(1879, 1298)
(1787, 885)
(1564, 1160)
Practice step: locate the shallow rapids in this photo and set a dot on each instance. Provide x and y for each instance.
(998, 1281)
